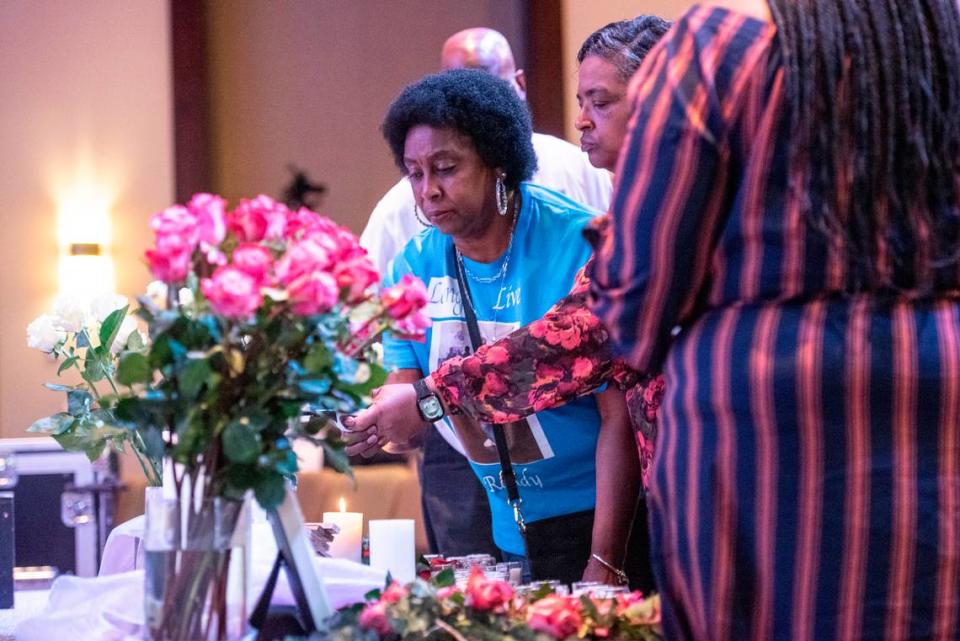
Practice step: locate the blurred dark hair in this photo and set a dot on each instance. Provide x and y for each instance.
(625, 43)
(873, 95)
(475, 103)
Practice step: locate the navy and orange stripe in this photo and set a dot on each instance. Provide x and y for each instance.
(806, 483)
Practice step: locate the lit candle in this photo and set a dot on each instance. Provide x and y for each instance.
(392, 548)
(346, 544)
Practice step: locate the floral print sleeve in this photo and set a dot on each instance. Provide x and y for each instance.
(563, 355)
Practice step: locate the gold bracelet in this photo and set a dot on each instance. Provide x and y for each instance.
(620, 574)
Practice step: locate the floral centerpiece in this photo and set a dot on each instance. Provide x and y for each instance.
(489, 609)
(258, 315)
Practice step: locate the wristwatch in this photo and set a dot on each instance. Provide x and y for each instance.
(428, 403)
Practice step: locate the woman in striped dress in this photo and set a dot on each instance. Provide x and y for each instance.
(785, 246)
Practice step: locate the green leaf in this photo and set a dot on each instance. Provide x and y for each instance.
(166, 351)
(91, 442)
(241, 444)
(153, 445)
(55, 424)
(286, 463)
(378, 376)
(110, 326)
(78, 402)
(193, 437)
(134, 368)
(270, 490)
(318, 358)
(445, 579)
(242, 477)
(94, 365)
(193, 377)
(258, 420)
(336, 457)
(67, 364)
(160, 353)
(135, 342)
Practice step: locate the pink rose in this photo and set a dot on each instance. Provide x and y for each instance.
(637, 609)
(253, 259)
(304, 257)
(555, 615)
(208, 211)
(176, 221)
(355, 277)
(374, 617)
(254, 220)
(313, 293)
(445, 593)
(232, 293)
(170, 259)
(485, 594)
(394, 593)
(413, 327)
(348, 245)
(404, 298)
(303, 222)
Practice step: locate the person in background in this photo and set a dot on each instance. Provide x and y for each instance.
(560, 166)
(789, 198)
(568, 339)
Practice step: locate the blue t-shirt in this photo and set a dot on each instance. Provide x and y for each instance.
(554, 459)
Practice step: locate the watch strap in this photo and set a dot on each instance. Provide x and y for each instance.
(422, 391)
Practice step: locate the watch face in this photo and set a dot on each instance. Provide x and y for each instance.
(431, 408)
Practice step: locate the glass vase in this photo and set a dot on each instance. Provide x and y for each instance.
(195, 570)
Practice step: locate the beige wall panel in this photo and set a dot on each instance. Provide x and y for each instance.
(308, 82)
(86, 106)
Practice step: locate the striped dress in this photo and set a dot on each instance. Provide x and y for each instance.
(806, 480)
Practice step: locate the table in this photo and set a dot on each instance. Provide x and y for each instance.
(26, 603)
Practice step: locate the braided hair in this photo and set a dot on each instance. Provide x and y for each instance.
(873, 92)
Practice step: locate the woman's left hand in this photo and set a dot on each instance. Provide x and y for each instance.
(393, 417)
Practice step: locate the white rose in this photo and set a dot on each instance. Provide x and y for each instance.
(105, 304)
(185, 297)
(127, 327)
(43, 333)
(157, 293)
(70, 313)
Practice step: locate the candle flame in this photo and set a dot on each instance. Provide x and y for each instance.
(343, 505)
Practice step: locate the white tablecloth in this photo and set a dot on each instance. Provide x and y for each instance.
(26, 603)
(110, 607)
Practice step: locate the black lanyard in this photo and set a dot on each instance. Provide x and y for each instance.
(507, 474)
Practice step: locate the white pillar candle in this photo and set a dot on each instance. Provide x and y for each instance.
(392, 548)
(346, 544)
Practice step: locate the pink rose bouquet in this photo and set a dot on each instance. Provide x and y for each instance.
(252, 325)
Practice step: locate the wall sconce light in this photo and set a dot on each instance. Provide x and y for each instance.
(86, 267)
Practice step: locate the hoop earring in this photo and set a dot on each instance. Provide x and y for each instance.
(416, 213)
(501, 191)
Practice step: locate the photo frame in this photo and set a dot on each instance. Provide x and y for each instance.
(295, 556)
